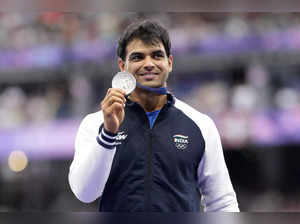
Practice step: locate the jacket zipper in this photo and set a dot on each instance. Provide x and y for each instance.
(149, 174)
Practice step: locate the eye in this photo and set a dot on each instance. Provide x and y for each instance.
(158, 55)
(135, 57)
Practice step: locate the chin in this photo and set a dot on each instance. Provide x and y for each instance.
(152, 84)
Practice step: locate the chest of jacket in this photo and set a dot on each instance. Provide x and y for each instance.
(151, 164)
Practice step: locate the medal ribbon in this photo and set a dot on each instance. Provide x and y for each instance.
(160, 91)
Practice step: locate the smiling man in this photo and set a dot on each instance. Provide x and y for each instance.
(149, 151)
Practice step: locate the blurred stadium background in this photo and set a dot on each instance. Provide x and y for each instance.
(242, 69)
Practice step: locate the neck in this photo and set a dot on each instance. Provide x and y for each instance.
(148, 101)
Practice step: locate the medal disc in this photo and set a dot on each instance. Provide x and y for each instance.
(124, 81)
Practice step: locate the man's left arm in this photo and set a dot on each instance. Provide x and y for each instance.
(213, 177)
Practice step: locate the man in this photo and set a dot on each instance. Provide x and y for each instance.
(149, 151)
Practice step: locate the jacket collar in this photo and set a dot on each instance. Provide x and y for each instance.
(170, 100)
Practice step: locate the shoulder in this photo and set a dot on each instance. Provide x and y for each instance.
(92, 120)
(96, 116)
(192, 113)
(203, 121)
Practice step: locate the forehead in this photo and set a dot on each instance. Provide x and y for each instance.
(137, 45)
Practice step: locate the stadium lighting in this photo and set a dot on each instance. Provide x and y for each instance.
(17, 161)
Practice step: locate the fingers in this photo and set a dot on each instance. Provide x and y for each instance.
(117, 107)
(113, 109)
(111, 100)
(114, 96)
(116, 90)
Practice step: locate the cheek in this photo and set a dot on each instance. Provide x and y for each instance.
(165, 66)
(133, 68)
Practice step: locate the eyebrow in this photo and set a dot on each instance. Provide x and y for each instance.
(140, 53)
(136, 53)
(158, 52)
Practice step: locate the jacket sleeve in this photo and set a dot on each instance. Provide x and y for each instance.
(213, 177)
(93, 159)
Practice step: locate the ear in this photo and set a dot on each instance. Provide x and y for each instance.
(170, 62)
(122, 65)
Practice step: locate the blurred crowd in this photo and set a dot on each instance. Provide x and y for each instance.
(258, 107)
(27, 30)
(41, 103)
(233, 97)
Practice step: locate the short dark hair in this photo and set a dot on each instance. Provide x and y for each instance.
(150, 32)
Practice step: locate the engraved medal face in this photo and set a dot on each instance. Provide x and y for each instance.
(124, 81)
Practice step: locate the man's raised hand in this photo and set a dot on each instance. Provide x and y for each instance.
(113, 106)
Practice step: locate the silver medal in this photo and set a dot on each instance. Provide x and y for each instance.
(124, 81)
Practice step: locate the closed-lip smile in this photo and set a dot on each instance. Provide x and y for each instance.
(148, 73)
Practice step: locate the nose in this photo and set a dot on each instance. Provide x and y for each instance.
(148, 64)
